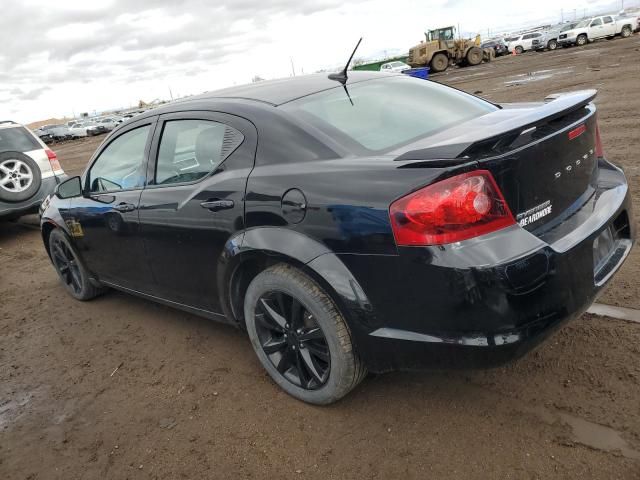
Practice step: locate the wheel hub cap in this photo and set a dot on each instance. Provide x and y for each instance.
(292, 340)
(15, 176)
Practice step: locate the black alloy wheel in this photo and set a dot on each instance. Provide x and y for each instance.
(293, 340)
(72, 272)
(67, 265)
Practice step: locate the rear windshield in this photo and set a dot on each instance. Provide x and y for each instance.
(386, 113)
(17, 140)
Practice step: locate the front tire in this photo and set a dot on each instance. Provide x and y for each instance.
(439, 63)
(72, 272)
(519, 50)
(581, 40)
(300, 337)
(552, 45)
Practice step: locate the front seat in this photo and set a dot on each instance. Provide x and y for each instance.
(209, 146)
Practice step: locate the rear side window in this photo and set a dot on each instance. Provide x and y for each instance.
(17, 139)
(191, 149)
(608, 20)
(386, 114)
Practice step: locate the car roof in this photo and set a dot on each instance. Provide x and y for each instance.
(277, 92)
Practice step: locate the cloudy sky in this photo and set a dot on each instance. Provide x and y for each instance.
(66, 57)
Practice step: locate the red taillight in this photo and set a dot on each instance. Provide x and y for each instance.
(599, 150)
(576, 132)
(455, 209)
(53, 160)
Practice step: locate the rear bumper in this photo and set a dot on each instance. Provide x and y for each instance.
(485, 301)
(32, 204)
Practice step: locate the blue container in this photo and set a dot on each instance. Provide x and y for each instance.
(422, 72)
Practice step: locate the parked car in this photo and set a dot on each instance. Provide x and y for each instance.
(394, 67)
(56, 133)
(594, 28)
(29, 170)
(95, 127)
(344, 242)
(549, 39)
(527, 41)
(633, 19)
(498, 45)
(78, 129)
(44, 134)
(109, 123)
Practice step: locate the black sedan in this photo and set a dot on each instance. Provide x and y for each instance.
(372, 224)
(498, 45)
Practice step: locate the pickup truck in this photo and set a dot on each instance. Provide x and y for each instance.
(590, 29)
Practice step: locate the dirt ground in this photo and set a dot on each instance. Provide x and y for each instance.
(123, 388)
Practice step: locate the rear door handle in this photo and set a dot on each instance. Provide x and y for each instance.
(217, 205)
(124, 207)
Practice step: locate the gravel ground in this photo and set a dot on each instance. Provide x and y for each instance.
(123, 388)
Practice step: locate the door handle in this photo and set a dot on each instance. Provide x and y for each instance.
(217, 205)
(124, 207)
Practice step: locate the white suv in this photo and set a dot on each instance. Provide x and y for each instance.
(29, 170)
(527, 41)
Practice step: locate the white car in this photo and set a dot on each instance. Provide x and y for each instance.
(526, 41)
(78, 129)
(394, 67)
(108, 122)
(590, 29)
(29, 170)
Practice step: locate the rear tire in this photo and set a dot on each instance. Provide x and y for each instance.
(625, 32)
(72, 272)
(439, 63)
(300, 337)
(581, 40)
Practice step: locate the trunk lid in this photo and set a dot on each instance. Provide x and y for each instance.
(542, 155)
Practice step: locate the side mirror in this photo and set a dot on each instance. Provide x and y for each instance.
(70, 188)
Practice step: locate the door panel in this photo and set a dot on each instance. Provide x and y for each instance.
(185, 225)
(104, 220)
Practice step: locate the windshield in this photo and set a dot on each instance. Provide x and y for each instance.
(386, 114)
(583, 23)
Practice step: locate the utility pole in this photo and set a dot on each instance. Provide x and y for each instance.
(170, 94)
(293, 70)
(562, 15)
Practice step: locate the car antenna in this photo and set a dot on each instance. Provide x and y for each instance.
(342, 76)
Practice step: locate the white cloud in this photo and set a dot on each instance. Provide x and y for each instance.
(66, 57)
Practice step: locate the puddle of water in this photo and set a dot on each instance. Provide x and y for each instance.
(537, 75)
(598, 436)
(13, 408)
(9, 409)
(587, 433)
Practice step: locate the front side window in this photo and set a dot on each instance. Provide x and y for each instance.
(386, 114)
(596, 22)
(121, 166)
(191, 149)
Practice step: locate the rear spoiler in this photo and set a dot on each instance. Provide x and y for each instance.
(510, 121)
